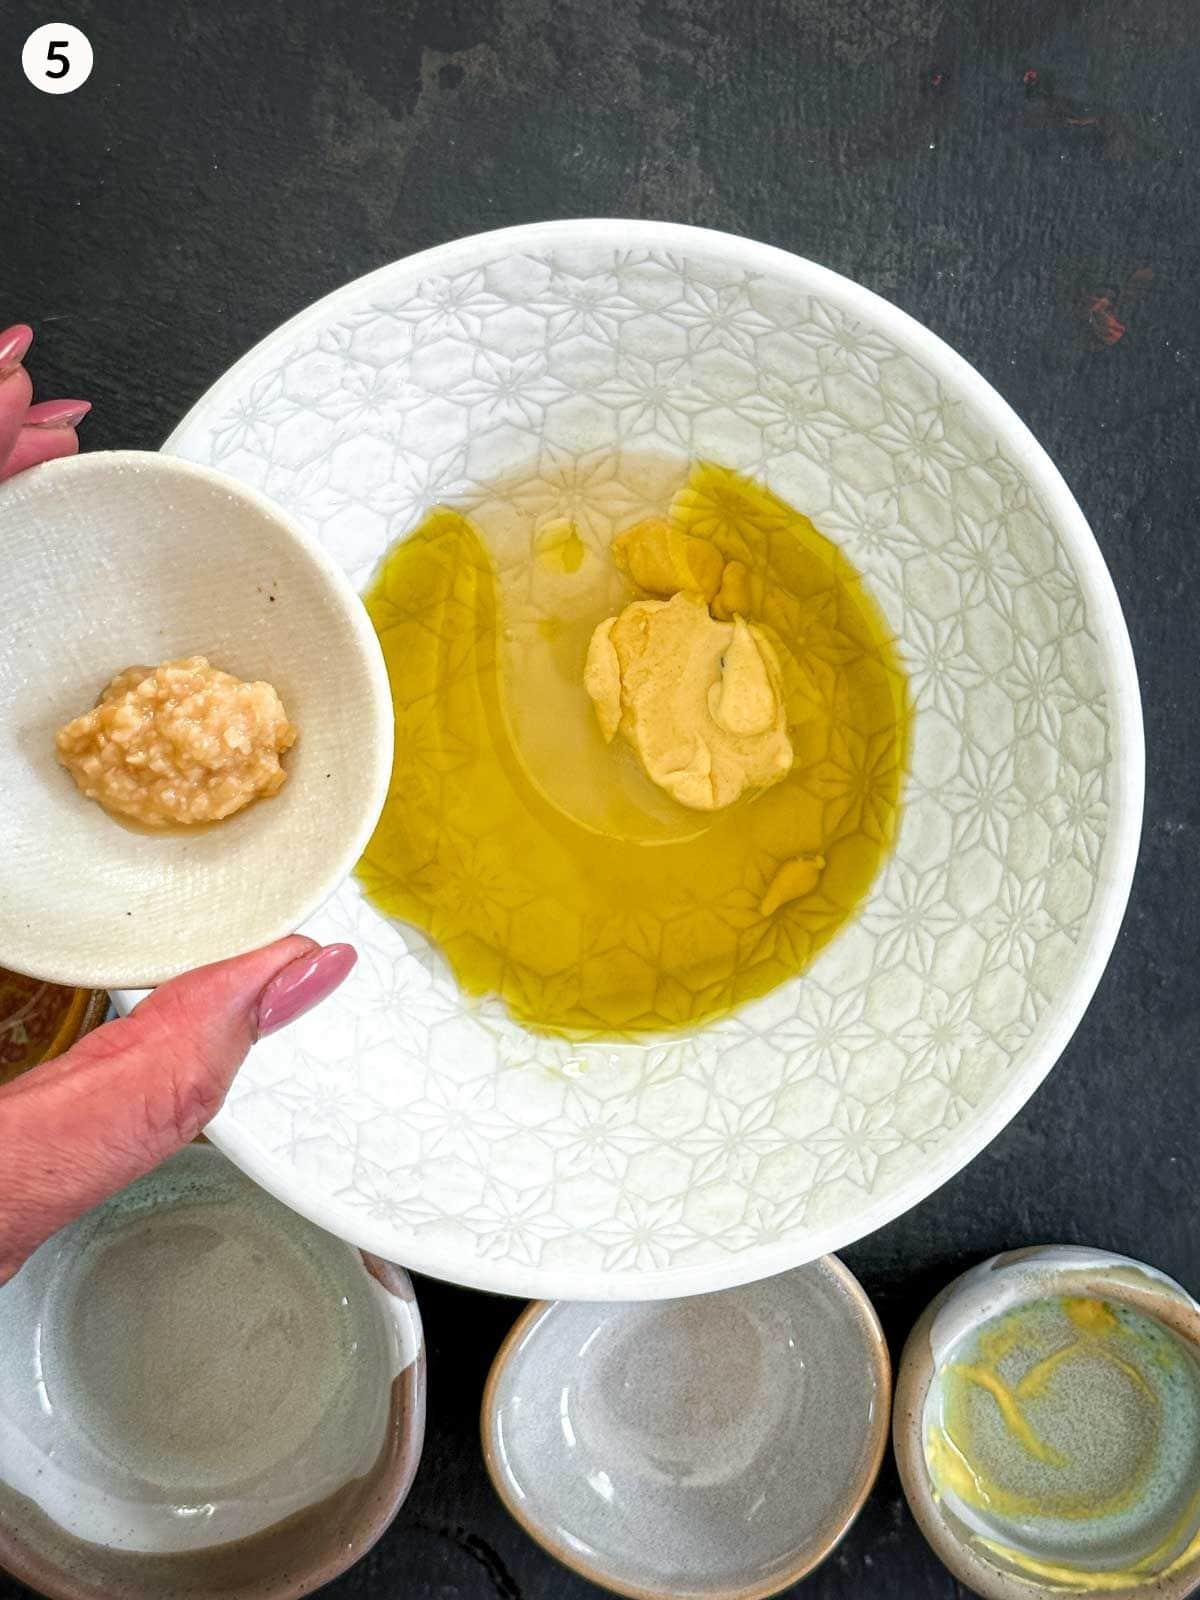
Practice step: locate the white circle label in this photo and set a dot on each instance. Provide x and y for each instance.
(57, 58)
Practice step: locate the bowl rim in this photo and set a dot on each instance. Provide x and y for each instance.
(1054, 1269)
(511, 1276)
(861, 1309)
(379, 748)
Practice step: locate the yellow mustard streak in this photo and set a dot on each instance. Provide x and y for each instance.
(1091, 1316)
(1010, 1409)
(1085, 1580)
(951, 1473)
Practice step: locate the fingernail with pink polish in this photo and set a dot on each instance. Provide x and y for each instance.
(14, 346)
(57, 413)
(302, 984)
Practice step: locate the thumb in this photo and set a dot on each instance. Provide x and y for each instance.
(80, 1127)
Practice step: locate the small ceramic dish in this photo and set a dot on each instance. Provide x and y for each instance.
(202, 1395)
(1047, 1427)
(708, 1449)
(39, 1020)
(122, 557)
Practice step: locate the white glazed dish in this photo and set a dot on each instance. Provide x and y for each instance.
(716, 1448)
(125, 557)
(435, 1131)
(259, 1462)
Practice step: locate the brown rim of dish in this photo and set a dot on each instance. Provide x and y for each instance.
(812, 1558)
(75, 1024)
(914, 1375)
(85, 1009)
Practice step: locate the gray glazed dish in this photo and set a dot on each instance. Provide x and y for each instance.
(715, 1448)
(1019, 1278)
(115, 1483)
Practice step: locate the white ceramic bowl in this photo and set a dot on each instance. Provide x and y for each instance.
(436, 1132)
(123, 557)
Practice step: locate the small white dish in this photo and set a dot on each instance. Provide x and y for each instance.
(708, 1449)
(122, 557)
(202, 1395)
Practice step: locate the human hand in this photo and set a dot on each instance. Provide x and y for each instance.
(31, 433)
(76, 1129)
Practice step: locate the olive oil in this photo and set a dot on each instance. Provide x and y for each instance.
(544, 863)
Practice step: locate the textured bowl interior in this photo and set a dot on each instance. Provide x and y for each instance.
(110, 559)
(438, 1133)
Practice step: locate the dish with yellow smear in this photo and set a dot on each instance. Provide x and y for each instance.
(1063, 1414)
(1048, 1427)
(635, 785)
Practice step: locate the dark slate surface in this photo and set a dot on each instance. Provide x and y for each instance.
(1015, 173)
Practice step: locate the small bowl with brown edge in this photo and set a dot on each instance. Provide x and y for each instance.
(202, 1397)
(1047, 1427)
(714, 1448)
